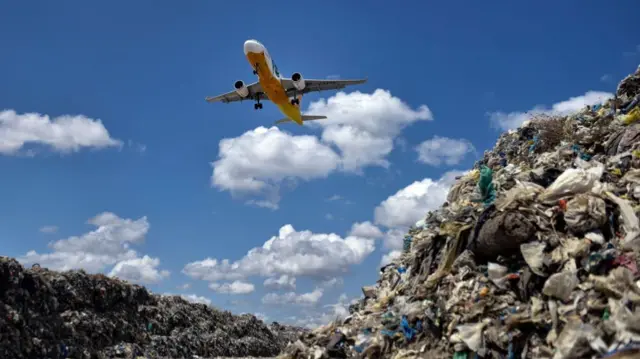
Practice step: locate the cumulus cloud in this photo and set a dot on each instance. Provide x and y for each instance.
(282, 282)
(193, 298)
(107, 245)
(305, 299)
(293, 253)
(443, 150)
(49, 229)
(365, 230)
(332, 282)
(394, 238)
(236, 287)
(261, 316)
(139, 270)
(413, 202)
(389, 257)
(64, 134)
(314, 319)
(363, 126)
(259, 160)
(513, 120)
(409, 205)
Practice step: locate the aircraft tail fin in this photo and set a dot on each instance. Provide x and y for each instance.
(304, 118)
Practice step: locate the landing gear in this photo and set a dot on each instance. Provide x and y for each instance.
(257, 106)
(295, 101)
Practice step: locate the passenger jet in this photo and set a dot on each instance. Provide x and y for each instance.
(285, 93)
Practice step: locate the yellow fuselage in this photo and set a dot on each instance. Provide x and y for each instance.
(272, 86)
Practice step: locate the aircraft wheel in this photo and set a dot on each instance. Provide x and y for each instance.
(256, 106)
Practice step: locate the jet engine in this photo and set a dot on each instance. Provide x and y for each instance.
(298, 81)
(241, 89)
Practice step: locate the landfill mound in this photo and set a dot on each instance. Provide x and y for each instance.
(533, 255)
(49, 314)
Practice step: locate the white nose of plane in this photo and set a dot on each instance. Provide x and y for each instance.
(253, 46)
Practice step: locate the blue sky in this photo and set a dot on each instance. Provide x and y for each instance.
(444, 80)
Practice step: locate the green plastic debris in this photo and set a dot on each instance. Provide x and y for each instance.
(605, 315)
(485, 184)
(460, 355)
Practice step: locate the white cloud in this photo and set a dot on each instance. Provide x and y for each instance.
(140, 270)
(282, 282)
(107, 245)
(261, 316)
(184, 286)
(193, 298)
(65, 134)
(605, 78)
(305, 299)
(363, 126)
(236, 287)
(389, 257)
(394, 238)
(413, 202)
(291, 252)
(338, 310)
(513, 120)
(259, 160)
(439, 150)
(49, 229)
(328, 216)
(365, 230)
(337, 197)
(333, 282)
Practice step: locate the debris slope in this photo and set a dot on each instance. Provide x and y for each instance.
(534, 254)
(48, 314)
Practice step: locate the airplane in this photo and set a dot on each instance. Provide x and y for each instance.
(285, 93)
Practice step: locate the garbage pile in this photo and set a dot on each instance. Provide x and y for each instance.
(48, 314)
(533, 255)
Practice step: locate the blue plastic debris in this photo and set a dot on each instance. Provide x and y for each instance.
(576, 149)
(503, 159)
(532, 148)
(407, 243)
(64, 351)
(406, 329)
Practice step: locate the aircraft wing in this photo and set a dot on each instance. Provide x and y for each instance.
(320, 85)
(255, 92)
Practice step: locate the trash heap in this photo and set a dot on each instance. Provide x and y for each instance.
(534, 254)
(48, 314)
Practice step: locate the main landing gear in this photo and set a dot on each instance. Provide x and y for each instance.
(295, 101)
(257, 105)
